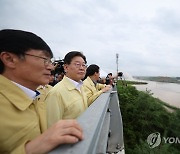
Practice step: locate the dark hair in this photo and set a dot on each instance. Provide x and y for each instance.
(69, 56)
(92, 69)
(19, 42)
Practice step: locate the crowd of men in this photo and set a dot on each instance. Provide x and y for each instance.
(36, 115)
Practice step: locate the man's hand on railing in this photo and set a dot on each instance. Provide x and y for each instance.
(106, 88)
(62, 132)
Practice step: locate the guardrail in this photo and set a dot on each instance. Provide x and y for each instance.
(102, 128)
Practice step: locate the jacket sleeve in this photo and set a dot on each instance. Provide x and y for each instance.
(100, 86)
(91, 96)
(19, 149)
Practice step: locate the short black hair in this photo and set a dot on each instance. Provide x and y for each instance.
(70, 55)
(19, 42)
(93, 68)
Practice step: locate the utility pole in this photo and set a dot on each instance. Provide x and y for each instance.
(117, 56)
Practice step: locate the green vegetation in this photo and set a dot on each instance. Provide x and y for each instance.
(123, 82)
(159, 78)
(142, 115)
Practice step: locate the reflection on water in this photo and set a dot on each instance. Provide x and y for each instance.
(167, 92)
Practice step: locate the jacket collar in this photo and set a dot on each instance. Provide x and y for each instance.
(90, 81)
(71, 84)
(14, 94)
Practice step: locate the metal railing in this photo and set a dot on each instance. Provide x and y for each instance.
(102, 128)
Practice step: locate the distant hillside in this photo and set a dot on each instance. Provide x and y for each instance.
(159, 78)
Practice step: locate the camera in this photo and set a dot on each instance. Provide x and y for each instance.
(59, 66)
(120, 74)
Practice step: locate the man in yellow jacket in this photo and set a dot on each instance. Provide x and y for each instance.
(92, 88)
(67, 99)
(25, 63)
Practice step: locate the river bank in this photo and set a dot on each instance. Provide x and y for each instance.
(167, 92)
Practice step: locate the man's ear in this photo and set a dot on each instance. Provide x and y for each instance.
(8, 59)
(65, 68)
(96, 73)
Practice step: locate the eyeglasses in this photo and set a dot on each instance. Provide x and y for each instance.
(78, 65)
(46, 60)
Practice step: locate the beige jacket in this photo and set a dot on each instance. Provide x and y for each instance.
(91, 90)
(64, 101)
(21, 118)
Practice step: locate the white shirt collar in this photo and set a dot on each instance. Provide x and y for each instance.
(76, 84)
(29, 92)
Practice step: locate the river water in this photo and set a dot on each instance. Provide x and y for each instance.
(167, 92)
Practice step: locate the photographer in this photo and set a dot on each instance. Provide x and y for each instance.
(58, 71)
(121, 76)
(110, 79)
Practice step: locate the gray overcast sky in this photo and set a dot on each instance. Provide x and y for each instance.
(145, 33)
